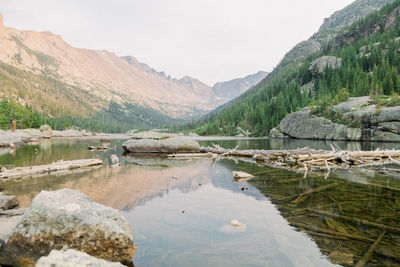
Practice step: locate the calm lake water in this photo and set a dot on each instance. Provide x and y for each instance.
(179, 210)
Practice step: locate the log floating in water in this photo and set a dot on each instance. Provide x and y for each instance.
(191, 155)
(98, 147)
(54, 168)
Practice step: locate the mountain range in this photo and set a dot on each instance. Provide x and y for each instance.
(41, 70)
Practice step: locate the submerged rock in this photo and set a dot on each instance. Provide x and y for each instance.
(152, 135)
(73, 258)
(233, 227)
(68, 219)
(235, 223)
(170, 145)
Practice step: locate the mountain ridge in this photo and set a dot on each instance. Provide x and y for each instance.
(235, 87)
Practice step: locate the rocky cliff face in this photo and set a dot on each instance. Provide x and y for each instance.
(331, 27)
(375, 124)
(234, 88)
(351, 13)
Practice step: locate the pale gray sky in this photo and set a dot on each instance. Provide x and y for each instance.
(211, 40)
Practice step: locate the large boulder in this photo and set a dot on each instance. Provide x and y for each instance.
(375, 124)
(152, 135)
(304, 125)
(46, 131)
(73, 258)
(319, 65)
(170, 145)
(68, 219)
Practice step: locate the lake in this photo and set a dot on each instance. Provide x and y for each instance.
(180, 210)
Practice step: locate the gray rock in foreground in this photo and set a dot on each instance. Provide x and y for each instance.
(68, 219)
(73, 258)
(170, 145)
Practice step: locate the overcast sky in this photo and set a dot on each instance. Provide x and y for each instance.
(211, 40)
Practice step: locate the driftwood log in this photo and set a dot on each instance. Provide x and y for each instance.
(303, 159)
(54, 168)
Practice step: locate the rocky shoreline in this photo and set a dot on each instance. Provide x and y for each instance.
(33, 136)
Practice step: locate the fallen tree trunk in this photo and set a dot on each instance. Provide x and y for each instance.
(364, 260)
(356, 220)
(309, 159)
(54, 168)
(309, 191)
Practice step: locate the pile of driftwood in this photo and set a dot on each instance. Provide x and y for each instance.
(305, 158)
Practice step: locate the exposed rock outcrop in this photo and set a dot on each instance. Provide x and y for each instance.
(169, 145)
(376, 124)
(353, 104)
(73, 258)
(68, 219)
(309, 87)
(320, 65)
(331, 28)
(303, 125)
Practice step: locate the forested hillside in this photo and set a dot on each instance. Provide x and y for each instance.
(369, 51)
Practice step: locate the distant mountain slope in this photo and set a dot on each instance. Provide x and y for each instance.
(198, 87)
(234, 88)
(95, 78)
